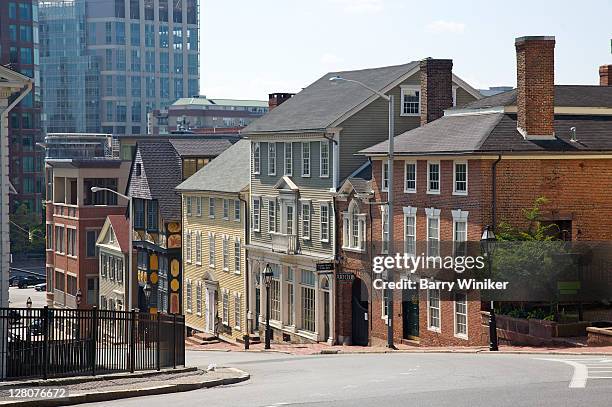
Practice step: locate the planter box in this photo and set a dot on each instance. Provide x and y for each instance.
(599, 336)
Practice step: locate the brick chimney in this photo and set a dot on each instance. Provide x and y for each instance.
(535, 97)
(275, 99)
(436, 88)
(605, 75)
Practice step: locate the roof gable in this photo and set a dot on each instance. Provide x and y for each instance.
(286, 183)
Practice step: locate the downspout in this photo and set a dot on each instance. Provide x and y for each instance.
(246, 263)
(494, 191)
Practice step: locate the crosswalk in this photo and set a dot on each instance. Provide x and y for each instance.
(585, 369)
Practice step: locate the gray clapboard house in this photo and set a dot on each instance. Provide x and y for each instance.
(301, 151)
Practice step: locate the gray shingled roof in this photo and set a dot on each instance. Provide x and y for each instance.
(565, 95)
(162, 165)
(323, 102)
(229, 172)
(199, 147)
(497, 132)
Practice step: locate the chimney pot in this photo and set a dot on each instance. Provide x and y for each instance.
(605, 75)
(275, 99)
(436, 88)
(535, 69)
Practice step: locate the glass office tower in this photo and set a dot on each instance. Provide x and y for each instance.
(126, 57)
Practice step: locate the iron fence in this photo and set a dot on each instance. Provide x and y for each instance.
(49, 342)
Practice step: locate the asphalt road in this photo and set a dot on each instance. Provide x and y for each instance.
(18, 297)
(391, 380)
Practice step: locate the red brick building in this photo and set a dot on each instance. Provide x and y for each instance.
(482, 165)
(74, 218)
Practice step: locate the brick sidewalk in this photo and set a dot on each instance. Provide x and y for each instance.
(318, 348)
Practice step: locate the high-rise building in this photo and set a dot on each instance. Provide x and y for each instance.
(19, 52)
(106, 64)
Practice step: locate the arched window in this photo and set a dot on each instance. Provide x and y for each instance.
(354, 227)
(325, 283)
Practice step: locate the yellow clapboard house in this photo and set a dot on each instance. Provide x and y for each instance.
(214, 215)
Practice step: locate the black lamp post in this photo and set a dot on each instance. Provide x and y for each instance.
(487, 245)
(29, 303)
(29, 307)
(78, 297)
(268, 274)
(147, 293)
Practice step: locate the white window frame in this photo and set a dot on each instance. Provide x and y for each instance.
(411, 88)
(198, 206)
(431, 327)
(271, 158)
(198, 249)
(256, 158)
(211, 207)
(211, 250)
(237, 310)
(226, 209)
(225, 252)
(225, 307)
(199, 298)
(306, 159)
(385, 176)
(348, 222)
(459, 216)
(324, 226)
(256, 214)
(429, 190)
(188, 246)
(410, 215)
(324, 158)
(288, 158)
(187, 205)
(237, 255)
(406, 189)
(272, 215)
(384, 215)
(432, 214)
(455, 191)
(237, 210)
(188, 295)
(456, 313)
(306, 220)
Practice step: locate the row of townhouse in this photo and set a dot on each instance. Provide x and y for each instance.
(307, 192)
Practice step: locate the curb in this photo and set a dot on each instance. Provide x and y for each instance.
(471, 352)
(60, 381)
(124, 394)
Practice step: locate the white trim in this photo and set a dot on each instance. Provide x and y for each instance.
(410, 212)
(306, 203)
(406, 163)
(270, 144)
(433, 213)
(285, 172)
(256, 157)
(434, 191)
(467, 325)
(285, 179)
(321, 174)
(416, 88)
(459, 216)
(304, 175)
(253, 226)
(455, 192)
(382, 184)
(437, 329)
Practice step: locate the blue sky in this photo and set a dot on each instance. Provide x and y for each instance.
(250, 48)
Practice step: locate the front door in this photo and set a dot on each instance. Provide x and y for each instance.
(359, 313)
(326, 321)
(210, 309)
(410, 314)
(257, 307)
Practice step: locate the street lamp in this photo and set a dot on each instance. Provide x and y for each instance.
(29, 303)
(131, 227)
(488, 242)
(390, 100)
(268, 274)
(147, 293)
(78, 297)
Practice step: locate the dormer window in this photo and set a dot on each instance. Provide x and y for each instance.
(138, 169)
(410, 100)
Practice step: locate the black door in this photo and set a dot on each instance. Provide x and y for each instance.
(410, 314)
(257, 307)
(359, 313)
(326, 332)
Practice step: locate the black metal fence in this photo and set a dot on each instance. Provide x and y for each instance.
(49, 342)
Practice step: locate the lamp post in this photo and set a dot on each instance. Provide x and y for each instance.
(488, 242)
(390, 100)
(131, 227)
(29, 303)
(78, 298)
(268, 274)
(29, 307)
(147, 293)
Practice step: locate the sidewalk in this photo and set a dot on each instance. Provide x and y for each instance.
(319, 348)
(119, 386)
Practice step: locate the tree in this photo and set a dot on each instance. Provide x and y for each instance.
(27, 232)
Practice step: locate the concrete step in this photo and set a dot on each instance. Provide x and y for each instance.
(411, 342)
(204, 336)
